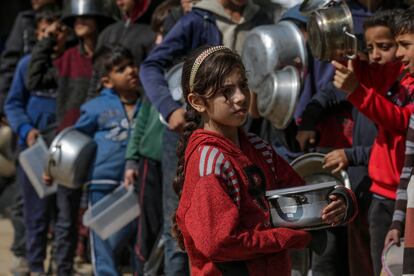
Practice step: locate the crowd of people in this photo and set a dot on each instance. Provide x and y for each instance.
(201, 165)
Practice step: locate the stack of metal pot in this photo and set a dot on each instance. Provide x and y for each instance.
(275, 57)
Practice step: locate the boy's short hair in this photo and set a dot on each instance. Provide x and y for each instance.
(107, 57)
(160, 14)
(404, 23)
(48, 12)
(385, 18)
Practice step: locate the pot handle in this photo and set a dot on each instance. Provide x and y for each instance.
(354, 43)
(51, 161)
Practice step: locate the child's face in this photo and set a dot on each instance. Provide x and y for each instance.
(405, 51)
(85, 27)
(229, 106)
(381, 45)
(123, 77)
(126, 6)
(41, 28)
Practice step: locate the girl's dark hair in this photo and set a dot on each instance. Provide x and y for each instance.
(404, 23)
(107, 57)
(209, 79)
(385, 18)
(48, 12)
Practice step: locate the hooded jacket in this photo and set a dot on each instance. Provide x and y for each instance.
(223, 214)
(201, 26)
(392, 119)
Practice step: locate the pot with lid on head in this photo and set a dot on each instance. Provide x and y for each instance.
(95, 8)
(272, 47)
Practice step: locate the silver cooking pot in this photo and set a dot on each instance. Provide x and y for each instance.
(70, 157)
(300, 207)
(309, 167)
(330, 30)
(97, 8)
(278, 96)
(272, 47)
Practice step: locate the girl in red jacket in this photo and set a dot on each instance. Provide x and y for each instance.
(223, 219)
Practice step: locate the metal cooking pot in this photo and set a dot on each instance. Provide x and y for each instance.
(392, 259)
(300, 207)
(278, 96)
(272, 47)
(73, 8)
(309, 167)
(70, 156)
(330, 32)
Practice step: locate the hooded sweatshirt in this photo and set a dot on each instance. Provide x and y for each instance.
(222, 213)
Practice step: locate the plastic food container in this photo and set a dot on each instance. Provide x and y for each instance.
(112, 212)
(33, 162)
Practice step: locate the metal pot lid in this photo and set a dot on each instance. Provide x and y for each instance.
(272, 47)
(173, 77)
(279, 96)
(309, 167)
(302, 189)
(309, 6)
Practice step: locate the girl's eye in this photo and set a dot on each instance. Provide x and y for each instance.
(384, 46)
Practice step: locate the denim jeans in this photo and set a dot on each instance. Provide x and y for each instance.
(37, 216)
(175, 260)
(105, 253)
(66, 234)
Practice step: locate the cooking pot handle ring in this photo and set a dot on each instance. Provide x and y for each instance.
(52, 161)
(354, 43)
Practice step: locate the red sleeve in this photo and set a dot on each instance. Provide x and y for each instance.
(214, 224)
(380, 110)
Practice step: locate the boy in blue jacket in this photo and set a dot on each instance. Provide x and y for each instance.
(109, 119)
(28, 113)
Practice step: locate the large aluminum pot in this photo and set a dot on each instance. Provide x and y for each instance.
(70, 157)
(272, 47)
(309, 167)
(300, 207)
(278, 96)
(73, 8)
(330, 32)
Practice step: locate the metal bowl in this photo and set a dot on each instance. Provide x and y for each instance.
(300, 207)
(392, 259)
(278, 96)
(74, 8)
(70, 157)
(309, 167)
(272, 47)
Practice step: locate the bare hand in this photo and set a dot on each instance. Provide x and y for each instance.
(345, 78)
(130, 176)
(393, 236)
(52, 29)
(306, 139)
(31, 137)
(176, 120)
(337, 159)
(47, 179)
(335, 212)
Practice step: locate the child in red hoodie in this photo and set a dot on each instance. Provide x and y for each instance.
(367, 88)
(223, 219)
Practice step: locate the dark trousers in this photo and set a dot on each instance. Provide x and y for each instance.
(333, 261)
(37, 216)
(66, 233)
(149, 187)
(175, 260)
(379, 219)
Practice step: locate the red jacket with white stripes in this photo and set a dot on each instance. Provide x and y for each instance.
(223, 214)
(392, 118)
